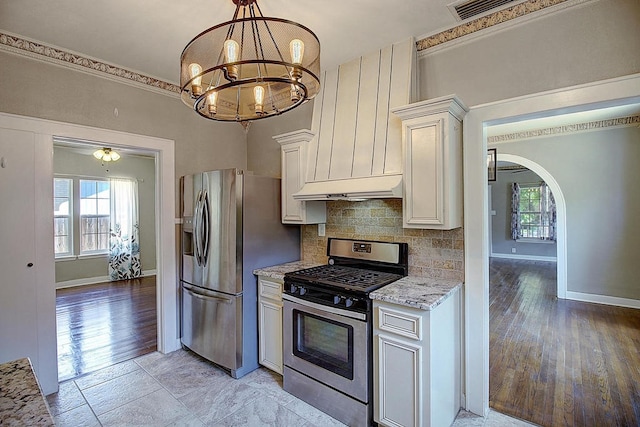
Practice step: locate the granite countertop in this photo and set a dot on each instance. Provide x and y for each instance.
(21, 400)
(278, 271)
(417, 292)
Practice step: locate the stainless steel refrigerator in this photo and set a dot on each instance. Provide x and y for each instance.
(231, 225)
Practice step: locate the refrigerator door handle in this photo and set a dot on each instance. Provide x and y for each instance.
(208, 297)
(205, 228)
(196, 229)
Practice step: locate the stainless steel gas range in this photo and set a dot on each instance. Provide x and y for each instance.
(328, 326)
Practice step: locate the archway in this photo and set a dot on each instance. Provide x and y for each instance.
(561, 216)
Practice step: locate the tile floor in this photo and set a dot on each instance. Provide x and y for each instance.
(180, 389)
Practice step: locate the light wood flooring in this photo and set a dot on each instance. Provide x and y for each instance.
(559, 362)
(104, 324)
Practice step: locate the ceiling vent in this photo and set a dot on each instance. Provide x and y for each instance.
(471, 8)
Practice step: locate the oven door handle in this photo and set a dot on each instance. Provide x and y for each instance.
(329, 309)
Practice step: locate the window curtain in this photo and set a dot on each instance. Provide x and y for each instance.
(124, 255)
(515, 211)
(548, 211)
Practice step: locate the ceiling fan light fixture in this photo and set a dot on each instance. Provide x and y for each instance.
(231, 60)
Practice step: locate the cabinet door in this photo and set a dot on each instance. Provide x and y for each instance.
(424, 204)
(399, 382)
(270, 323)
(270, 319)
(292, 181)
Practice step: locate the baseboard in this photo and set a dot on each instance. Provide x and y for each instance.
(603, 299)
(525, 257)
(94, 280)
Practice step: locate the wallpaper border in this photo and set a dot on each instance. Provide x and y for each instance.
(36, 50)
(485, 22)
(633, 120)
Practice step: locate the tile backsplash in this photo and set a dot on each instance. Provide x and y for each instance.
(432, 253)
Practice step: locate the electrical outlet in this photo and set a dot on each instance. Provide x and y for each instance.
(321, 230)
(513, 250)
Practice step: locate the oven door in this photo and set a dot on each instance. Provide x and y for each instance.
(327, 344)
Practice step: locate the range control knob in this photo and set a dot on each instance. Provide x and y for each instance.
(348, 302)
(293, 289)
(337, 299)
(303, 290)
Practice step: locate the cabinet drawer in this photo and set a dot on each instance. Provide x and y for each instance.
(270, 289)
(399, 322)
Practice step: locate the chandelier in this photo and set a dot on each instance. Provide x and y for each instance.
(106, 155)
(251, 67)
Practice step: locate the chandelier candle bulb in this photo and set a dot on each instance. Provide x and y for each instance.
(258, 95)
(211, 102)
(296, 48)
(231, 49)
(195, 71)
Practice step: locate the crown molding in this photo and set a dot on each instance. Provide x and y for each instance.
(40, 52)
(633, 120)
(492, 23)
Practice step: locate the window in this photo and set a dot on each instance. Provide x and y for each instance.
(533, 212)
(91, 214)
(94, 216)
(62, 210)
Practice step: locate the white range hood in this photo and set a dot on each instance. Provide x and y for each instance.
(355, 152)
(354, 189)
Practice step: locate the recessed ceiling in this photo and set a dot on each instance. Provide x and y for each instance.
(148, 36)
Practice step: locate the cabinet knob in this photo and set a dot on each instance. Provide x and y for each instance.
(30, 265)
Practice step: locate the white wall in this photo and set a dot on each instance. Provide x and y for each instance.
(68, 161)
(501, 241)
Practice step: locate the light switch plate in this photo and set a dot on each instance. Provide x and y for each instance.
(321, 230)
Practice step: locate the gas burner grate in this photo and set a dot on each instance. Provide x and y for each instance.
(345, 277)
(326, 271)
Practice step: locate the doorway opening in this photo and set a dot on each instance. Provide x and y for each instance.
(105, 250)
(593, 98)
(618, 92)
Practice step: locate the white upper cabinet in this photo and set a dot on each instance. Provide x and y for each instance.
(356, 135)
(432, 149)
(294, 148)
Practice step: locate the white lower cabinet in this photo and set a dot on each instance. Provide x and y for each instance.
(270, 323)
(417, 370)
